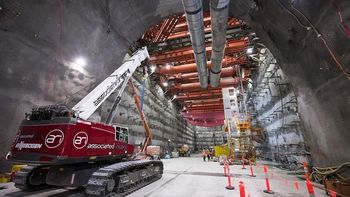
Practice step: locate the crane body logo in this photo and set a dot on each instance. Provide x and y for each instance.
(22, 144)
(54, 138)
(80, 140)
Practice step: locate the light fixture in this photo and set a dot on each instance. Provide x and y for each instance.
(80, 61)
(167, 66)
(184, 108)
(250, 50)
(165, 84)
(153, 68)
(174, 97)
(78, 64)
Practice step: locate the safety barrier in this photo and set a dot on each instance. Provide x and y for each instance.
(268, 175)
(268, 189)
(229, 185)
(310, 188)
(296, 185)
(225, 169)
(251, 169)
(243, 164)
(241, 189)
(333, 194)
(306, 170)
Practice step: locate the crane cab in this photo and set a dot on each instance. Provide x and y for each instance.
(121, 133)
(53, 135)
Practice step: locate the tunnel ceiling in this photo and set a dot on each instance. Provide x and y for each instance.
(39, 40)
(170, 48)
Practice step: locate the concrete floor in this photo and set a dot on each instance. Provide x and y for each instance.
(193, 177)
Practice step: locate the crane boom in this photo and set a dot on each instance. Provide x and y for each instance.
(89, 104)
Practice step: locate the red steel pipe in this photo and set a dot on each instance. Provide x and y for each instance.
(183, 32)
(188, 68)
(207, 108)
(185, 53)
(200, 93)
(198, 97)
(206, 105)
(225, 72)
(189, 87)
(205, 111)
(205, 102)
(203, 97)
(211, 103)
(184, 23)
(203, 92)
(232, 43)
(186, 80)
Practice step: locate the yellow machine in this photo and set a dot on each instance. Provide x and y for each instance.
(246, 150)
(230, 143)
(16, 168)
(184, 151)
(221, 150)
(241, 143)
(4, 178)
(223, 153)
(7, 177)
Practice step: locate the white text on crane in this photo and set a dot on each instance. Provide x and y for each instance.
(111, 87)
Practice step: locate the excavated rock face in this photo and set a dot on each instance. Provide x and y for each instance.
(40, 40)
(323, 91)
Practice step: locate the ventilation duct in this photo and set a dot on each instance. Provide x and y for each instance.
(194, 17)
(218, 14)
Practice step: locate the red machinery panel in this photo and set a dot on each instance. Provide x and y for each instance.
(66, 141)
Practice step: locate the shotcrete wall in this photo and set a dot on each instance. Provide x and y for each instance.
(209, 137)
(160, 112)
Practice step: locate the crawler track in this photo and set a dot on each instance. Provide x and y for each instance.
(30, 178)
(123, 178)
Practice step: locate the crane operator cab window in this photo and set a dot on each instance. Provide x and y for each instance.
(122, 133)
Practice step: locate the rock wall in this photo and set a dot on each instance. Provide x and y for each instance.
(321, 88)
